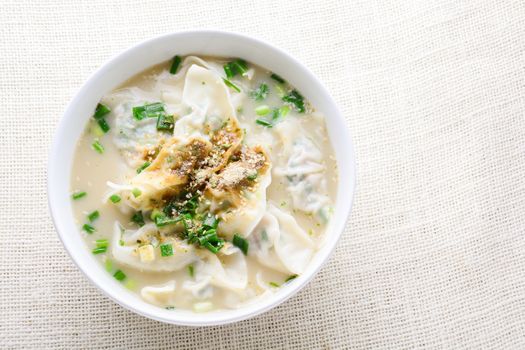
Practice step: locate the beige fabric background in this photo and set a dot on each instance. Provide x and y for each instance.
(434, 94)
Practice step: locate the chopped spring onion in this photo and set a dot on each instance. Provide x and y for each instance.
(165, 122)
(210, 221)
(143, 166)
(277, 78)
(138, 218)
(295, 99)
(152, 110)
(241, 243)
(115, 198)
(88, 228)
(101, 111)
(170, 307)
(136, 192)
(101, 243)
(291, 277)
(119, 275)
(166, 249)
(260, 93)
(191, 270)
(78, 195)
(273, 284)
(264, 123)
(175, 65)
(252, 177)
(277, 115)
(233, 68)
(162, 220)
(262, 110)
(99, 250)
(228, 70)
(93, 216)
(241, 66)
(232, 85)
(97, 146)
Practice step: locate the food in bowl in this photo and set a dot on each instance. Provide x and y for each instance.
(204, 183)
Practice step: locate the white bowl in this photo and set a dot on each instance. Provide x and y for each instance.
(138, 58)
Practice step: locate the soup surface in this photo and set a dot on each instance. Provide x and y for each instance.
(204, 183)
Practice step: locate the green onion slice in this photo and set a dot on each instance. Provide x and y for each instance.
(241, 243)
(143, 166)
(93, 216)
(115, 198)
(119, 275)
(152, 110)
(88, 228)
(138, 218)
(97, 146)
(277, 78)
(78, 195)
(232, 85)
(175, 64)
(166, 249)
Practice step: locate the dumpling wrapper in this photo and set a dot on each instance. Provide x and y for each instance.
(227, 270)
(162, 295)
(280, 243)
(127, 254)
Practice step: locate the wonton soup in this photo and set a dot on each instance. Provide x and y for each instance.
(204, 183)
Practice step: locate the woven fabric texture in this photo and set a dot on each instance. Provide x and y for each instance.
(433, 255)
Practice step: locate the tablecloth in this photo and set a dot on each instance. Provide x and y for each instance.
(433, 255)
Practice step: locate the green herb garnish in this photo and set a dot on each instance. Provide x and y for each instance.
(277, 78)
(136, 192)
(99, 250)
(78, 195)
(100, 112)
(119, 275)
(165, 122)
(241, 243)
(273, 284)
(252, 177)
(291, 277)
(97, 146)
(191, 270)
(262, 110)
(152, 110)
(232, 85)
(295, 99)
(260, 93)
(277, 115)
(115, 198)
(143, 166)
(93, 216)
(88, 228)
(166, 249)
(138, 218)
(175, 65)
(233, 68)
(100, 243)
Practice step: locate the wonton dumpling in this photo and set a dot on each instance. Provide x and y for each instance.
(130, 252)
(238, 192)
(208, 96)
(303, 170)
(226, 269)
(280, 243)
(160, 295)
